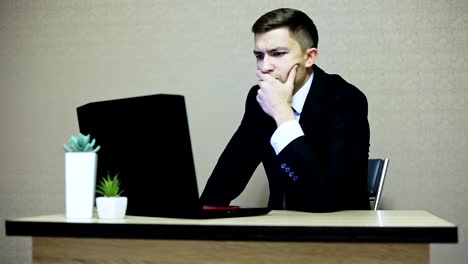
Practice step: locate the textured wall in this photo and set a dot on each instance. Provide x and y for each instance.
(408, 56)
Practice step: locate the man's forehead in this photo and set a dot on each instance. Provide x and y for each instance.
(273, 39)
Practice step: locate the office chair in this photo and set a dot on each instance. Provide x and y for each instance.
(376, 171)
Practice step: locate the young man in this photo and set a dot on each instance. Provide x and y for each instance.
(307, 127)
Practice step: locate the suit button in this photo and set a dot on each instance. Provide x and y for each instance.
(287, 169)
(283, 165)
(295, 178)
(291, 174)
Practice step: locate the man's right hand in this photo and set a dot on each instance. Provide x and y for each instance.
(275, 96)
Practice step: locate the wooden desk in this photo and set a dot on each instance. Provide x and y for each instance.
(279, 237)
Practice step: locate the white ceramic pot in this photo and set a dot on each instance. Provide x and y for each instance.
(111, 207)
(80, 184)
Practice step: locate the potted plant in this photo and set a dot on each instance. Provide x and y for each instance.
(80, 176)
(111, 205)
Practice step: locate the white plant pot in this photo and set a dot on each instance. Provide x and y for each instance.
(80, 184)
(111, 207)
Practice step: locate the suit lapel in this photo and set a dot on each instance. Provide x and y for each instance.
(312, 106)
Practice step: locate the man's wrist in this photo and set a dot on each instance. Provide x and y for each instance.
(284, 117)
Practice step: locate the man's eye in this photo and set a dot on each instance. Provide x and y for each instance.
(278, 53)
(259, 56)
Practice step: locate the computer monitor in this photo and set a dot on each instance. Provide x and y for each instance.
(145, 140)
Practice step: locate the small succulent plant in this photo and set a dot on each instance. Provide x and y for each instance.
(81, 143)
(109, 187)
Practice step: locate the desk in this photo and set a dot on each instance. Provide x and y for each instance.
(279, 237)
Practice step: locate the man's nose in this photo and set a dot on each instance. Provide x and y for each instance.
(266, 65)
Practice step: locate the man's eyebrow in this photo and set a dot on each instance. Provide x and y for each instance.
(271, 50)
(277, 49)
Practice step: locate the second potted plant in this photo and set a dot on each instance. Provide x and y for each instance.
(111, 205)
(80, 176)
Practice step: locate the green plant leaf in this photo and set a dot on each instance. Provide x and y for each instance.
(109, 187)
(96, 149)
(92, 143)
(85, 139)
(73, 139)
(75, 145)
(87, 148)
(67, 149)
(81, 143)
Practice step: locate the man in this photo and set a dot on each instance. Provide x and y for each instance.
(307, 127)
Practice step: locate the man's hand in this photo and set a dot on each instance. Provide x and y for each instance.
(275, 96)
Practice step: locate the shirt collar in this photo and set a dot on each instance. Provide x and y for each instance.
(300, 96)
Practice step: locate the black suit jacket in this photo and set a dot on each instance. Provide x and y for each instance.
(324, 170)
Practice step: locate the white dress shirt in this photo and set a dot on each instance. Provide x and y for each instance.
(291, 130)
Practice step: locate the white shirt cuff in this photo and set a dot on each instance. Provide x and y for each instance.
(285, 134)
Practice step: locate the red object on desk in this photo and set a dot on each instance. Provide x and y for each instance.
(220, 208)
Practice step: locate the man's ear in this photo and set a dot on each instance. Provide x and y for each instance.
(310, 57)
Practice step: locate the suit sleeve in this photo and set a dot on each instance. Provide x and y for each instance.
(329, 170)
(238, 161)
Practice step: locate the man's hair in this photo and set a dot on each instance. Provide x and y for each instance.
(300, 26)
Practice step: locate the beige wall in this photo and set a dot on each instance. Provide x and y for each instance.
(409, 57)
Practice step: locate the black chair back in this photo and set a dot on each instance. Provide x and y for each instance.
(376, 169)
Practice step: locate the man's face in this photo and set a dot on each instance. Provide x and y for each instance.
(277, 52)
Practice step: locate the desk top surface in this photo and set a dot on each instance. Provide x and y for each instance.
(343, 226)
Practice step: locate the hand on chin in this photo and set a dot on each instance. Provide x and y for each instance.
(274, 96)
